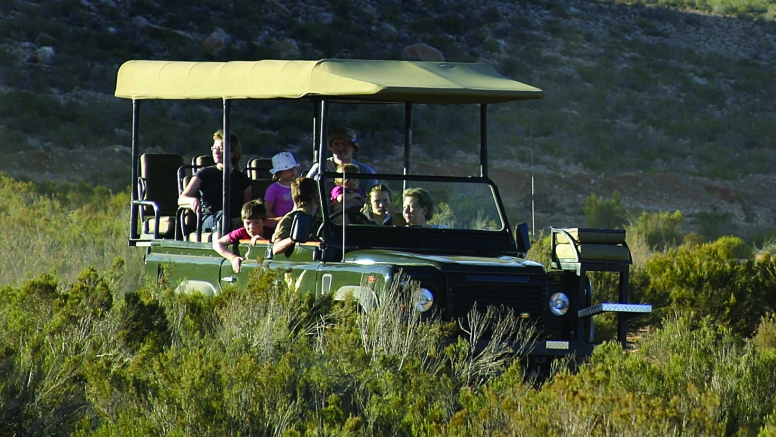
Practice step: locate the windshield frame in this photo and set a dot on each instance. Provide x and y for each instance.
(416, 239)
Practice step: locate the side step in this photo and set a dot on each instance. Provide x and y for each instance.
(633, 308)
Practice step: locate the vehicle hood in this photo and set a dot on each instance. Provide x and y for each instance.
(442, 261)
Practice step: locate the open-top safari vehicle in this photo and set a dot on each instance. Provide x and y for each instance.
(471, 255)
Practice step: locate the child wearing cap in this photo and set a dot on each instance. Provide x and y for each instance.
(278, 199)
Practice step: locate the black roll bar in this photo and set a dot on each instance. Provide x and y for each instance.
(133, 210)
(227, 157)
(484, 140)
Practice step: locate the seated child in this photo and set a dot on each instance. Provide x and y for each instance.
(347, 194)
(380, 209)
(304, 191)
(253, 215)
(277, 198)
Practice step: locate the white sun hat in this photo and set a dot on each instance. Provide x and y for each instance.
(283, 161)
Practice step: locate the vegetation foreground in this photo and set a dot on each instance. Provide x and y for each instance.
(93, 352)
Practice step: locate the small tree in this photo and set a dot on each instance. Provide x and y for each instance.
(605, 213)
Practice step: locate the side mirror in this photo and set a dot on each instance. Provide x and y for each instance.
(300, 227)
(522, 239)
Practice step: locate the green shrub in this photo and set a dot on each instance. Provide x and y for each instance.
(696, 365)
(766, 333)
(266, 360)
(605, 213)
(712, 281)
(693, 240)
(734, 247)
(86, 360)
(51, 332)
(769, 428)
(540, 249)
(617, 393)
(659, 230)
(43, 225)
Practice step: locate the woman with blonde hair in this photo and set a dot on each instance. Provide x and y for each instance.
(205, 190)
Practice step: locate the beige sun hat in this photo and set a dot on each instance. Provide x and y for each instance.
(343, 133)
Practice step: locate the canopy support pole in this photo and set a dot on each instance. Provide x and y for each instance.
(227, 157)
(316, 131)
(322, 131)
(134, 234)
(408, 114)
(484, 140)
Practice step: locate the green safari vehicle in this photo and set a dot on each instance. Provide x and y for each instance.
(470, 255)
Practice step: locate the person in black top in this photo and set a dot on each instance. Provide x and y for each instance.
(204, 191)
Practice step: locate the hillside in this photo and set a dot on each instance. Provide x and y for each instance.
(674, 109)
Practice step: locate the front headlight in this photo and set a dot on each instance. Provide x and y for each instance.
(559, 304)
(424, 300)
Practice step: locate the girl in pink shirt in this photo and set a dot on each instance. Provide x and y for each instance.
(278, 196)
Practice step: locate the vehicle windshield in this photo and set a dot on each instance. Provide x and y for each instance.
(436, 202)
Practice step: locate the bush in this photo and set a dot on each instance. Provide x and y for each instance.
(540, 249)
(698, 367)
(766, 333)
(685, 379)
(52, 332)
(43, 225)
(734, 247)
(659, 230)
(605, 213)
(87, 360)
(711, 281)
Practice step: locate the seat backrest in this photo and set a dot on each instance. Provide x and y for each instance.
(258, 169)
(185, 172)
(259, 188)
(200, 161)
(159, 180)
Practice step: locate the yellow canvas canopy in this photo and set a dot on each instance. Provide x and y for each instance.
(338, 79)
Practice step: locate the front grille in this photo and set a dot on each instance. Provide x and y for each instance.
(513, 292)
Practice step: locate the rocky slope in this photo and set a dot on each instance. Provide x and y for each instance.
(69, 52)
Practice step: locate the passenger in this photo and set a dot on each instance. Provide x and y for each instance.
(380, 209)
(347, 191)
(278, 199)
(342, 143)
(418, 208)
(304, 191)
(253, 215)
(205, 190)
